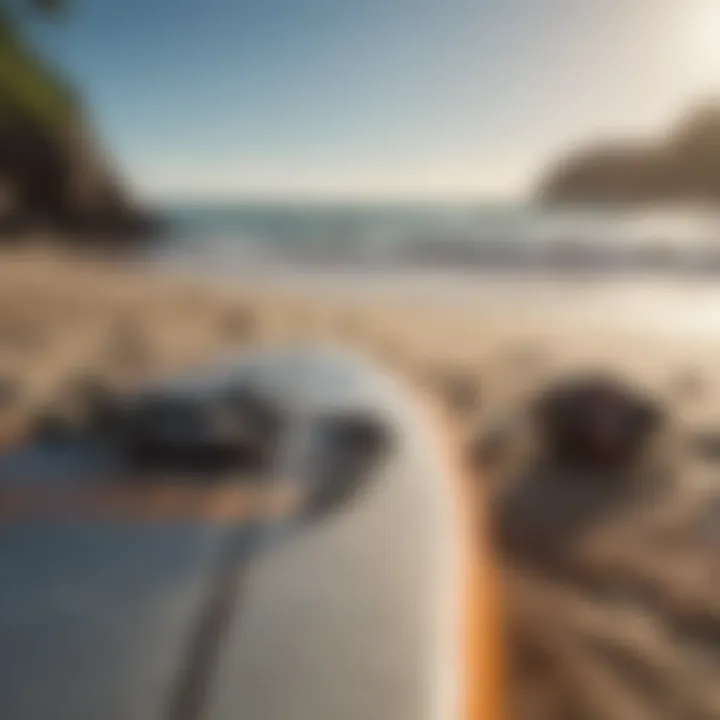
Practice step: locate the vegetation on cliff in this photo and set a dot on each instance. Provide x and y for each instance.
(29, 90)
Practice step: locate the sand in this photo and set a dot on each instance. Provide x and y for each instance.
(615, 614)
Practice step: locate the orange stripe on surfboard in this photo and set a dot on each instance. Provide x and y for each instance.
(481, 619)
(155, 503)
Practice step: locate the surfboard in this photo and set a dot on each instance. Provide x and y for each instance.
(249, 598)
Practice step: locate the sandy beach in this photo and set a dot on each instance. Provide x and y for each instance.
(620, 619)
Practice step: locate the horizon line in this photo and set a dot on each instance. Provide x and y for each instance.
(334, 199)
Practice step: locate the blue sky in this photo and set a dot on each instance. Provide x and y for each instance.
(375, 98)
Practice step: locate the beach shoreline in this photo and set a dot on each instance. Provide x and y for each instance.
(63, 314)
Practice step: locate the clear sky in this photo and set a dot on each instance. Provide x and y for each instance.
(373, 98)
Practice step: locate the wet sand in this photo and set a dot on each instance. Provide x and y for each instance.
(619, 616)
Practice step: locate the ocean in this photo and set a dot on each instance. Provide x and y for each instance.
(472, 237)
(649, 270)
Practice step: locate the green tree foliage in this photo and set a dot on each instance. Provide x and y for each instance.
(30, 90)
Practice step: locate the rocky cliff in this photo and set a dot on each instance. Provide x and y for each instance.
(53, 172)
(683, 166)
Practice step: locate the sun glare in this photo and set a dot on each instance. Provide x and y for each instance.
(704, 38)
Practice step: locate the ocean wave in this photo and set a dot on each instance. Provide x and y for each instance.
(463, 238)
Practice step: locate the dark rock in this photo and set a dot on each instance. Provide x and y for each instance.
(596, 421)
